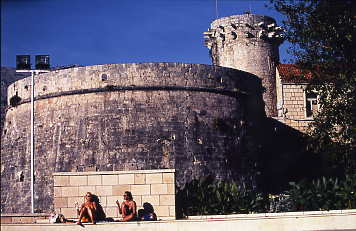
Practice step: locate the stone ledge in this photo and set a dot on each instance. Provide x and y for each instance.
(277, 215)
(113, 172)
(24, 214)
(336, 220)
(111, 88)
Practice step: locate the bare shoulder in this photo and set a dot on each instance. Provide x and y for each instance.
(132, 203)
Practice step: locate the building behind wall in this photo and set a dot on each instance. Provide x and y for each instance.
(296, 107)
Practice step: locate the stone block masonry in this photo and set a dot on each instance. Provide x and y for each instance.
(294, 107)
(156, 187)
(120, 117)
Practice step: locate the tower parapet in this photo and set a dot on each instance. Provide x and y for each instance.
(249, 43)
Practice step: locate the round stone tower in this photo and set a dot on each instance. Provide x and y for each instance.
(136, 116)
(248, 42)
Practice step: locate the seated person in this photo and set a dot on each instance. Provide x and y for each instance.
(127, 208)
(90, 210)
(147, 213)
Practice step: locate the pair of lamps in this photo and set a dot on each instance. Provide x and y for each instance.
(23, 62)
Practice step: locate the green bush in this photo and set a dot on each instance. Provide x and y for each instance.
(210, 196)
(323, 194)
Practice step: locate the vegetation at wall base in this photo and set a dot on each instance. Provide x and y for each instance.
(323, 194)
(209, 196)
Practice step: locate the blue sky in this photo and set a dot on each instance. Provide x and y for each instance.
(90, 32)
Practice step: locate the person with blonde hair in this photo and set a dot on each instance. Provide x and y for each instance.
(90, 210)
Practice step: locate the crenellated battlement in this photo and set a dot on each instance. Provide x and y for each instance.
(243, 29)
(248, 42)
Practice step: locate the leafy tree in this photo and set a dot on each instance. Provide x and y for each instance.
(321, 33)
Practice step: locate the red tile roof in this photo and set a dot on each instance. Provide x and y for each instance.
(291, 73)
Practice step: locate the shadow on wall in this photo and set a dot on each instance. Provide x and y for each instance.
(283, 157)
(271, 151)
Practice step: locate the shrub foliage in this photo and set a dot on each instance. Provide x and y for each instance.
(324, 194)
(210, 196)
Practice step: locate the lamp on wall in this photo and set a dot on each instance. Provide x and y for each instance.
(42, 62)
(23, 62)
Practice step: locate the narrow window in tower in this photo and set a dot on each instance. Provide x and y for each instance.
(311, 104)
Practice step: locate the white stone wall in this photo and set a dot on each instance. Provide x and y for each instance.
(156, 187)
(292, 221)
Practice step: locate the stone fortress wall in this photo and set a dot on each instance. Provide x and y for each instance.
(198, 119)
(124, 117)
(248, 42)
(8, 76)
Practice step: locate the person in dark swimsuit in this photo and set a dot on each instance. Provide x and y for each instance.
(127, 209)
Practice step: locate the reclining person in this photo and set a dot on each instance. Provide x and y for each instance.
(127, 208)
(90, 210)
